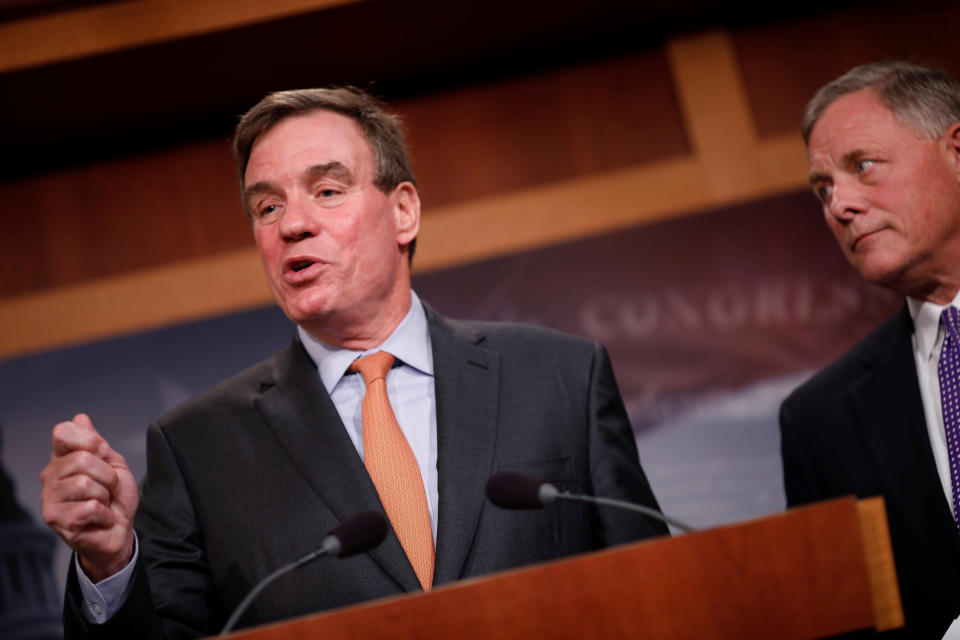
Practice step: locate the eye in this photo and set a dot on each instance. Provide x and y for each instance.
(328, 195)
(864, 165)
(823, 191)
(265, 212)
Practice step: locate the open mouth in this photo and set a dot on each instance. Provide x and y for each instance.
(301, 268)
(301, 265)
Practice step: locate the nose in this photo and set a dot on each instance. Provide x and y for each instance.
(846, 201)
(298, 221)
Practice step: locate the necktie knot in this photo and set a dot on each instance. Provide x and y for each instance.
(374, 366)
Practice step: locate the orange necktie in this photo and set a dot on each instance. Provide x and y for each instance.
(393, 468)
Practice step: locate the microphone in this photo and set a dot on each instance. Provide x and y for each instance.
(517, 490)
(360, 532)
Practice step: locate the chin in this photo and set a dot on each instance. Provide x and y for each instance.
(305, 307)
(882, 273)
(303, 316)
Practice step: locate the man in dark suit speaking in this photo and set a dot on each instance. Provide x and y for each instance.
(883, 142)
(380, 403)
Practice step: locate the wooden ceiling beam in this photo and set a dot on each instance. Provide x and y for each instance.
(88, 31)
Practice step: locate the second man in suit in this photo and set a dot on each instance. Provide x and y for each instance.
(883, 143)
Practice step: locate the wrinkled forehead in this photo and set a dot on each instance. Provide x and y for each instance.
(854, 120)
(299, 142)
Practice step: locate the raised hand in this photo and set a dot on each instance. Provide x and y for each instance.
(90, 497)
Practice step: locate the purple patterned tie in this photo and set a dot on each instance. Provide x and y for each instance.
(948, 370)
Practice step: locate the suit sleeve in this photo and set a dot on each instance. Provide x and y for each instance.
(172, 596)
(182, 589)
(615, 466)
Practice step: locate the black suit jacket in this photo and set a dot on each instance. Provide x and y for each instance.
(253, 473)
(858, 428)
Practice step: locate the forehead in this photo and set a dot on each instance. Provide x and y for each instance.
(295, 144)
(855, 121)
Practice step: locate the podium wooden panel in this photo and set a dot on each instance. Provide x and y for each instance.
(807, 573)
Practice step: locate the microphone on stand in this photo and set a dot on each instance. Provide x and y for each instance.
(360, 532)
(517, 490)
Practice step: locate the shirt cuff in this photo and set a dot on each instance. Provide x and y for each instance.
(105, 598)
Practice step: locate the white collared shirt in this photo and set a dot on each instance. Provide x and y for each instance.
(928, 334)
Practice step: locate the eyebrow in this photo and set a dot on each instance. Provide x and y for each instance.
(846, 160)
(816, 176)
(334, 169)
(264, 186)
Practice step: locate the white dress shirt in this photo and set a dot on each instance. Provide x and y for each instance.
(928, 335)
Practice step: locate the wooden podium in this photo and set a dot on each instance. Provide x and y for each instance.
(807, 573)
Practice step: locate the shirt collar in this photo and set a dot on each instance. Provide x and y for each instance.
(409, 343)
(926, 323)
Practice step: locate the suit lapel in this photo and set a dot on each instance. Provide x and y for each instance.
(892, 422)
(466, 379)
(306, 423)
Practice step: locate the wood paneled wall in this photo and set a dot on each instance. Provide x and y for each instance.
(705, 120)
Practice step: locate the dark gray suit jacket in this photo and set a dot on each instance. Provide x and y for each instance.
(252, 474)
(858, 428)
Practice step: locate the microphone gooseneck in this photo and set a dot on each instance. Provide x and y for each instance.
(360, 532)
(517, 490)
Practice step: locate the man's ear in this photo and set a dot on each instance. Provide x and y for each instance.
(406, 209)
(953, 146)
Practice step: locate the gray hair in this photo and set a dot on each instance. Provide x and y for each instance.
(927, 100)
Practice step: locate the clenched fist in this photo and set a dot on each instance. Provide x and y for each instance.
(90, 498)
